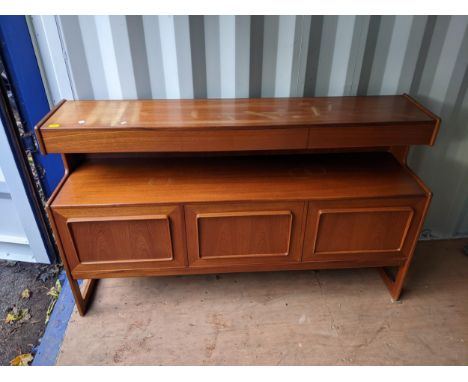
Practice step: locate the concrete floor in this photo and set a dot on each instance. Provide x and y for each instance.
(337, 317)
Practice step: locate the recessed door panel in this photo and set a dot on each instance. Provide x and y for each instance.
(360, 229)
(123, 237)
(129, 238)
(244, 233)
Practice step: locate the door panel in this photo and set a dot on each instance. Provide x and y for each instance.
(361, 229)
(244, 233)
(130, 238)
(116, 235)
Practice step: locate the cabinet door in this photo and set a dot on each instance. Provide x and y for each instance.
(361, 229)
(244, 233)
(113, 238)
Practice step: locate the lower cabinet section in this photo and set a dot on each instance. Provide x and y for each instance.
(129, 236)
(361, 229)
(244, 233)
(224, 236)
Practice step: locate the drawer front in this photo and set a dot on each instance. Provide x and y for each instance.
(69, 140)
(223, 234)
(151, 236)
(359, 229)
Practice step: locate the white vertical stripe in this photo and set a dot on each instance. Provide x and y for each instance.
(48, 40)
(93, 56)
(341, 55)
(298, 76)
(106, 44)
(122, 56)
(451, 47)
(396, 54)
(184, 56)
(284, 55)
(169, 57)
(227, 49)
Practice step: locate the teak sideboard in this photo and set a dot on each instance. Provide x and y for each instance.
(180, 187)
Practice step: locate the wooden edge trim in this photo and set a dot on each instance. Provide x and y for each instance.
(90, 219)
(37, 127)
(418, 180)
(425, 110)
(81, 298)
(242, 214)
(83, 271)
(60, 185)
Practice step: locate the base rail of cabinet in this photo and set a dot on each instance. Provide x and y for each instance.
(83, 295)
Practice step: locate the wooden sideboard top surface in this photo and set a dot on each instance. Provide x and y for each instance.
(237, 113)
(236, 124)
(130, 181)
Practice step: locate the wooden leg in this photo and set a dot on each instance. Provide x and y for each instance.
(82, 295)
(395, 283)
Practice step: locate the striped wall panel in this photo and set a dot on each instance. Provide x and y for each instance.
(125, 57)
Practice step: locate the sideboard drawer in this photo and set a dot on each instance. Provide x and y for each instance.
(243, 233)
(122, 235)
(342, 230)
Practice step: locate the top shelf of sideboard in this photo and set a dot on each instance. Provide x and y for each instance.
(225, 125)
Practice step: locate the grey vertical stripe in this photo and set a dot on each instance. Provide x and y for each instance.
(270, 46)
(313, 55)
(242, 56)
(139, 57)
(358, 46)
(460, 109)
(412, 54)
(197, 46)
(326, 56)
(369, 54)
(256, 56)
(76, 55)
(381, 55)
(301, 43)
(213, 61)
(423, 52)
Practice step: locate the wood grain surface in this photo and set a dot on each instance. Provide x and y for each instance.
(231, 125)
(129, 181)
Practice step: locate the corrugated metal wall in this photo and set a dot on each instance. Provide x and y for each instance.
(102, 57)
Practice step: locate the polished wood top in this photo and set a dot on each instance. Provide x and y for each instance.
(130, 181)
(237, 113)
